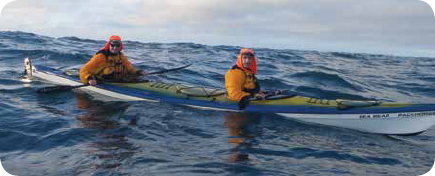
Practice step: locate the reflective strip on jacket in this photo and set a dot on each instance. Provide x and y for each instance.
(238, 82)
(100, 65)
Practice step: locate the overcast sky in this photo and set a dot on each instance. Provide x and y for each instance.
(399, 27)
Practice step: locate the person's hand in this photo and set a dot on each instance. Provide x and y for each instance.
(92, 82)
(260, 96)
(144, 73)
(277, 92)
(141, 73)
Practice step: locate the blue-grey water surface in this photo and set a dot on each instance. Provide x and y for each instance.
(72, 133)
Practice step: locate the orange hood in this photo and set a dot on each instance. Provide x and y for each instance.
(111, 38)
(253, 66)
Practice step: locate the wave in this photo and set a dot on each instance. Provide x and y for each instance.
(322, 79)
(278, 69)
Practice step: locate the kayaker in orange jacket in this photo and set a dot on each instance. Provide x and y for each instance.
(109, 64)
(240, 81)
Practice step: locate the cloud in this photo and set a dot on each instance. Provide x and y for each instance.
(310, 24)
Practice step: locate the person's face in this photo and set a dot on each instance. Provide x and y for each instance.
(246, 60)
(114, 47)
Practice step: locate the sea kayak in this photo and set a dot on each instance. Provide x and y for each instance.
(366, 116)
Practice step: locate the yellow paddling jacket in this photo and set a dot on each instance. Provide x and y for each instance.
(109, 67)
(239, 84)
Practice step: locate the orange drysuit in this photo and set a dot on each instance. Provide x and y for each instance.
(241, 82)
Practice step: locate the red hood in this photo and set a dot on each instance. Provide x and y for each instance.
(111, 38)
(253, 66)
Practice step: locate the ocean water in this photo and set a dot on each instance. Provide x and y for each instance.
(72, 133)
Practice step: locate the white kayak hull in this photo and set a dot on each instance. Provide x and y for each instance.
(404, 123)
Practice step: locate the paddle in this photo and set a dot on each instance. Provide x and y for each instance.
(65, 87)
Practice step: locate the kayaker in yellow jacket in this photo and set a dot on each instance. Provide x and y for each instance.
(240, 81)
(109, 64)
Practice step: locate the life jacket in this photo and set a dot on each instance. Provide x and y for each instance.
(108, 67)
(249, 77)
(114, 65)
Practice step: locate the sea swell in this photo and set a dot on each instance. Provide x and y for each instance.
(74, 134)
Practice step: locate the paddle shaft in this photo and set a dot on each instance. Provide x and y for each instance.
(168, 70)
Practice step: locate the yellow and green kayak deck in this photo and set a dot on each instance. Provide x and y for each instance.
(205, 96)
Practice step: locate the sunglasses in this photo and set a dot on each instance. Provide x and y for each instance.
(115, 45)
(248, 54)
